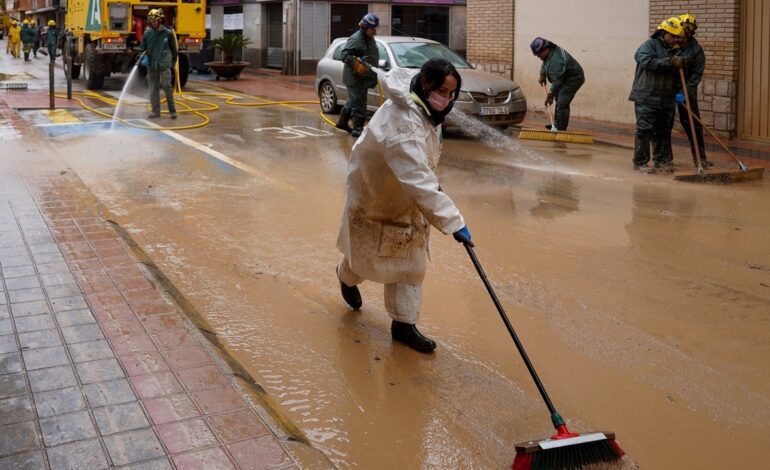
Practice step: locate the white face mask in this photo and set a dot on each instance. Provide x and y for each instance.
(438, 102)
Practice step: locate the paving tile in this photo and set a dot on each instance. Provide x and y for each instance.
(6, 326)
(143, 363)
(18, 271)
(39, 339)
(167, 322)
(127, 284)
(34, 323)
(217, 400)
(122, 327)
(78, 455)
(120, 418)
(238, 425)
(48, 258)
(26, 282)
(153, 308)
(37, 307)
(81, 333)
(14, 261)
(25, 295)
(57, 402)
(44, 357)
(109, 393)
(133, 446)
(4, 311)
(206, 459)
(261, 453)
(113, 312)
(181, 436)
(8, 344)
(176, 338)
(74, 317)
(132, 344)
(99, 370)
(18, 438)
(28, 461)
(160, 464)
(66, 290)
(203, 378)
(57, 279)
(15, 410)
(12, 385)
(90, 351)
(67, 428)
(171, 408)
(63, 304)
(149, 294)
(50, 268)
(156, 384)
(44, 247)
(51, 379)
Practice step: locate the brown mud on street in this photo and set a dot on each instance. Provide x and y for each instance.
(643, 302)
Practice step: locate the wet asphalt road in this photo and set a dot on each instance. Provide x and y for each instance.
(643, 302)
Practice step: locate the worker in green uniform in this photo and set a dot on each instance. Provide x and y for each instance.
(159, 52)
(564, 73)
(359, 54)
(653, 95)
(693, 74)
(52, 39)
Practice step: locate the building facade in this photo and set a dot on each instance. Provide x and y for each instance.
(603, 36)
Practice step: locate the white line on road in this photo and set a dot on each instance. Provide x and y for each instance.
(224, 158)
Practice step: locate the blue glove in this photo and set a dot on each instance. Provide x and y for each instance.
(145, 62)
(463, 236)
(679, 97)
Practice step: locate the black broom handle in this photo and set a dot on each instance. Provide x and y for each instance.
(508, 325)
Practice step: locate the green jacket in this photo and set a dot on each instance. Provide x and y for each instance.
(655, 80)
(693, 74)
(52, 37)
(561, 69)
(160, 46)
(27, 34)
(359, 45)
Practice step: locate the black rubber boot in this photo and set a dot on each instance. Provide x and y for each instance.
(358, 126)
(408, 334)
(351, 294)
(342, 123)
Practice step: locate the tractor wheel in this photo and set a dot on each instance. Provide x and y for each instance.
(93, 68)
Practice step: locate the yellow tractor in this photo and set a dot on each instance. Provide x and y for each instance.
(102, 35)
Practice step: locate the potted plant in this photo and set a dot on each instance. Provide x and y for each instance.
(228, 45)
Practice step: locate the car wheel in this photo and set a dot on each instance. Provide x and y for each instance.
(328, 98)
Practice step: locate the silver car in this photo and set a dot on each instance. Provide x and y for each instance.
(492, 99)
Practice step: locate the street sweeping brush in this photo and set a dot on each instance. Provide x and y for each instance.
(564, 450)
(555, 135)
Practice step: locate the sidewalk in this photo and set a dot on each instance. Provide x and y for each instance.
(265, 82)
(98, 368)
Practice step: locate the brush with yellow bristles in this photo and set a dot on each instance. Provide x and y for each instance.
(555, 135)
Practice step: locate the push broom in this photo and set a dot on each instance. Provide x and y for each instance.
(555, 135)
(564, 450)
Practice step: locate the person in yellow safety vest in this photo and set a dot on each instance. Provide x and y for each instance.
(14, 40)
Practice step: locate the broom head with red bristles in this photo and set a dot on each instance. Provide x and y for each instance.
(567, 451)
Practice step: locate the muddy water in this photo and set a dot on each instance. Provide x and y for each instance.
(644, 303)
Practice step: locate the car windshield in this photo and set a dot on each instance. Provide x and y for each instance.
(413, 54)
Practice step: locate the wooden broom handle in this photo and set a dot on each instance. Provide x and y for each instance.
(692, 121)
(716, 138)
(550, 113)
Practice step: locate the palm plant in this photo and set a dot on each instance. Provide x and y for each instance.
(228, 44)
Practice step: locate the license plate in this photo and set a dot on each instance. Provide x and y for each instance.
(113, 47)
(493, 110)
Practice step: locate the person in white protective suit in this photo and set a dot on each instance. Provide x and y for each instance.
(393, 195)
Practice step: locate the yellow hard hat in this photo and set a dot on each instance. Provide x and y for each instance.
(25, 22)
(155, 14)
(672, 25)
(688, 19)
(51, 23)
(32, 22)
(14, 23)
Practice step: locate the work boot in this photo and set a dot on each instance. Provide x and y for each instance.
(705, 163)
(664, 167)
(173, 116)
(342, 123)
(408, 334)
(351, 294)
(153, 116)
(643, 168)
(356, 132)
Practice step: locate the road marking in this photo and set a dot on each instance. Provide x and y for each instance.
(294, 132)
(224, 158)
(60, 116)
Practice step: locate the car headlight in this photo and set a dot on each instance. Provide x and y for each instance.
(464, 96)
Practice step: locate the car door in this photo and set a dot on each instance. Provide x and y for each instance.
(336, 73)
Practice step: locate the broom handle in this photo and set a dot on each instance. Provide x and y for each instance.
(692, 122)
(512, 332)
(550, 113)
(740, 164)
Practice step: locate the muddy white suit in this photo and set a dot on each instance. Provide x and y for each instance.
(392, 197)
